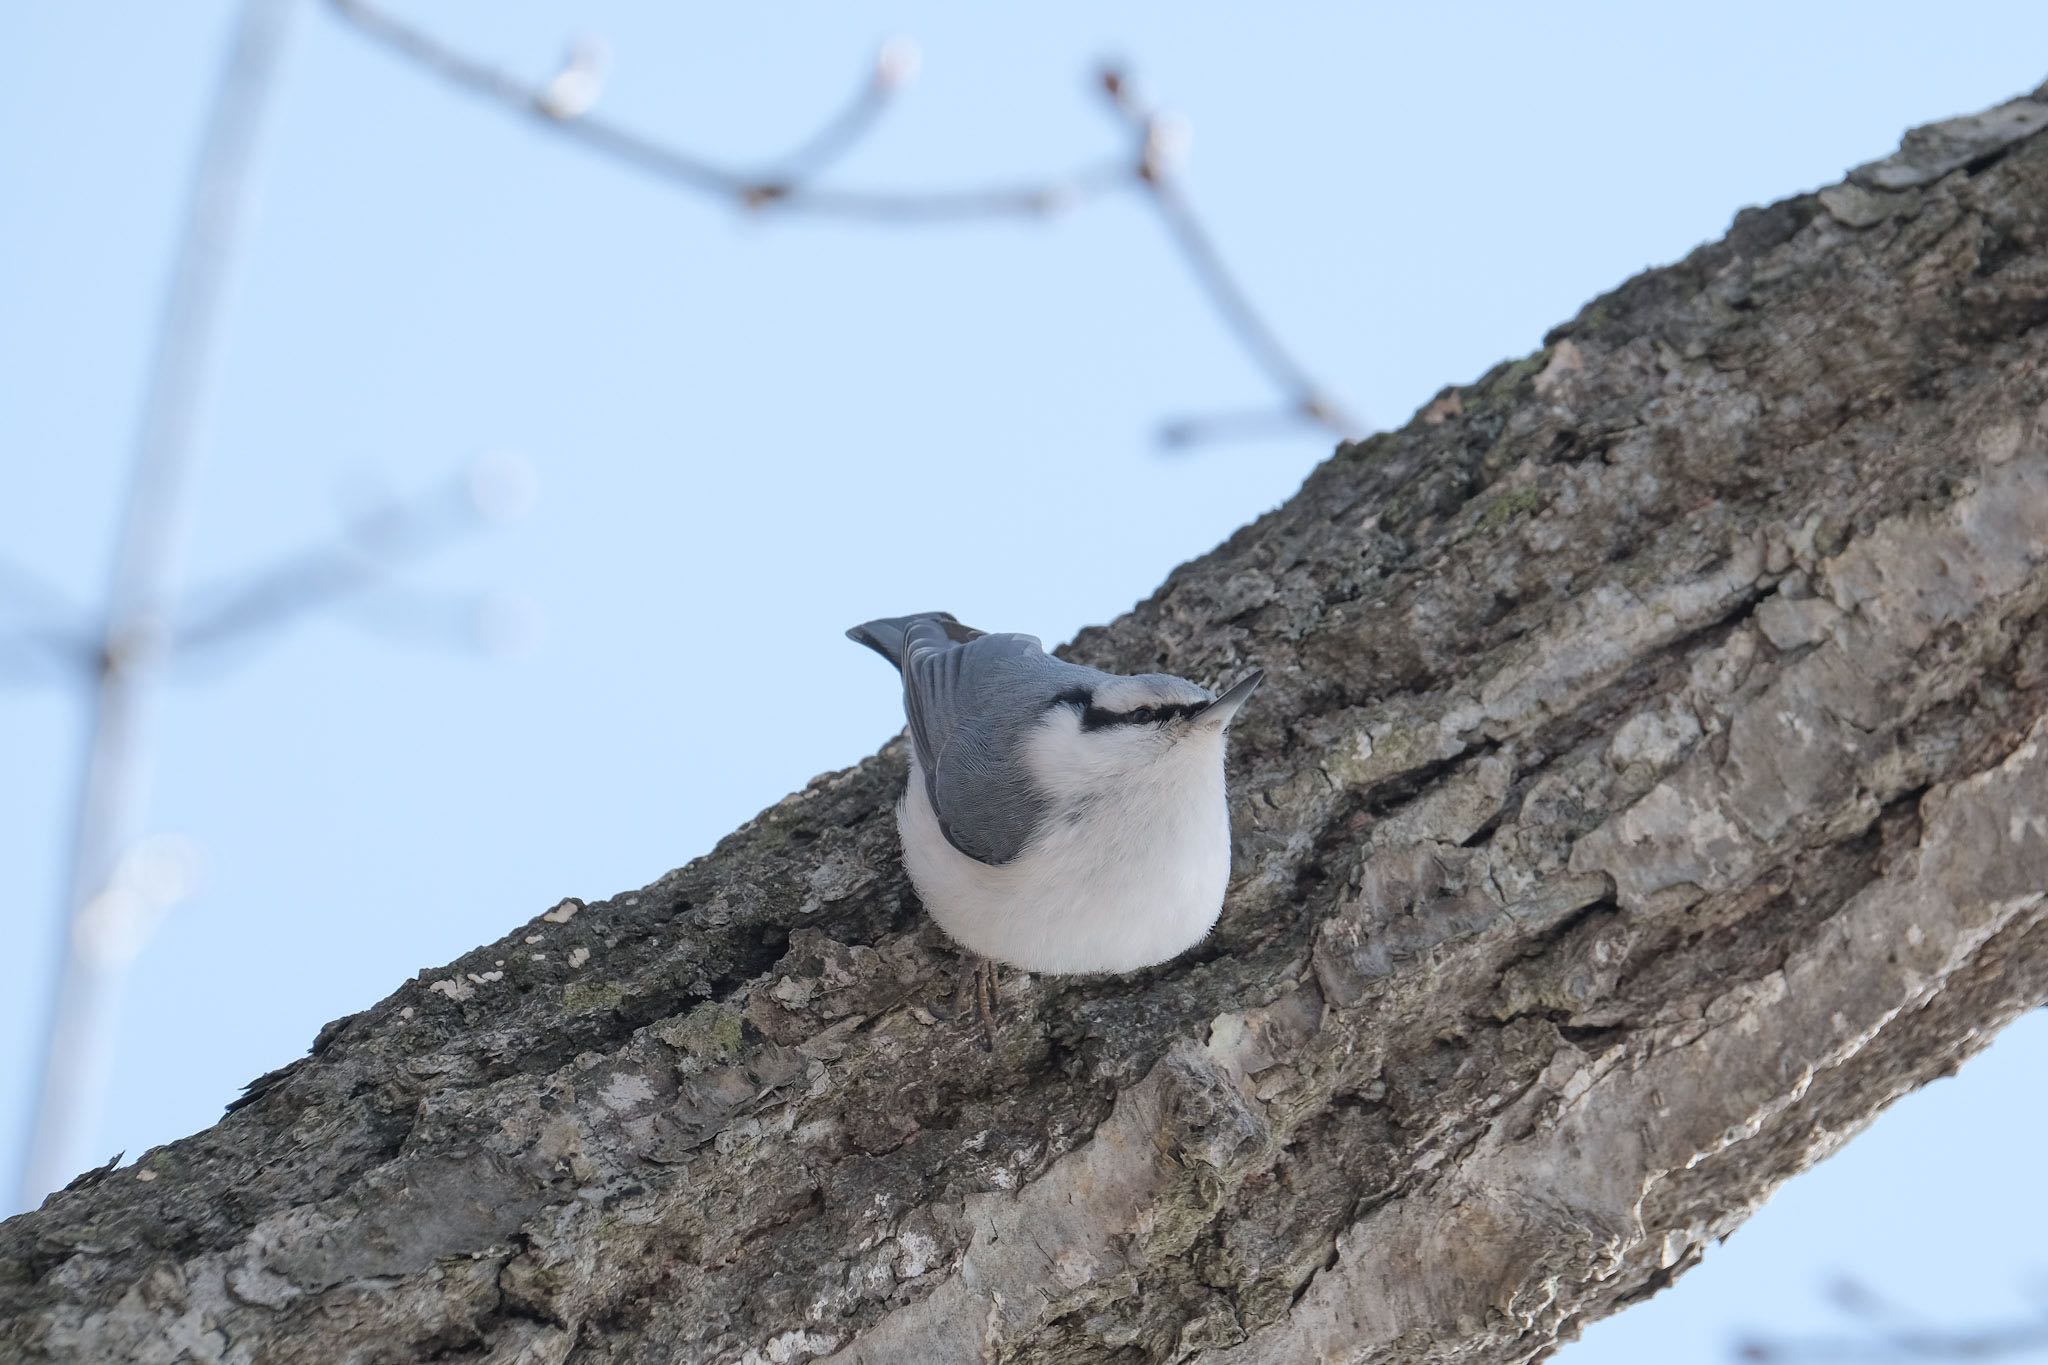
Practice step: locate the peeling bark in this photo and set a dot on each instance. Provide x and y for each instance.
(1650, 785)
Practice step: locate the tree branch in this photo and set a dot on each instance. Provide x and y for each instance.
(1886, 1332)
(789, 186)
(741, 188)
(1307, 402)
(374, 542)
(895, 66)
(50, 638)
(29, 592)
(1650, 784)
(131, 634)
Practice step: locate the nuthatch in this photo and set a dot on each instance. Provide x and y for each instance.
(1058, 818)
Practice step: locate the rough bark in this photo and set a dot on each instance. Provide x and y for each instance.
(1650, 785)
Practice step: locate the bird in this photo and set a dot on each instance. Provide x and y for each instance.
(1057, 818)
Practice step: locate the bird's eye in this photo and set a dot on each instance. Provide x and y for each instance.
(1143, 716)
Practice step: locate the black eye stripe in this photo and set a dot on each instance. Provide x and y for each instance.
(1094, 717)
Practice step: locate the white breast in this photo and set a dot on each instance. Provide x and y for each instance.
(1128, 869)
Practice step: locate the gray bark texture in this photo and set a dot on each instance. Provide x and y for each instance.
(1649, 786)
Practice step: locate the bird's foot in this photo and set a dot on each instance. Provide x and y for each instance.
(981, 982)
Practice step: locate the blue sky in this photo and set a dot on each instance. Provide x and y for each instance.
(750, 432)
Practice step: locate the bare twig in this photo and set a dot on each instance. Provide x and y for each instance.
(1308, 403)
(494, 624)
(789, 187)
(1985, 1343)
(1157, 138)
(28, 591)
(373, 543)
(895, 67)
(36, 654)
(49, 637)
(28, 657)
(1889, 1333)
(744, 188)
(1249, 424)
(48, 640)
(132, 637)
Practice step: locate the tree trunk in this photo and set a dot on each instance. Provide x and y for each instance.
(1649, 786)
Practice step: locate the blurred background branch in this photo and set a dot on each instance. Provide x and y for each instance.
(40, 634)
(563, 105)
(1886, 1331)
(389, 533)
(132, 634)
(895, 67)
(1160, 139)
(784, 185)
(117, 888)
(24, 591)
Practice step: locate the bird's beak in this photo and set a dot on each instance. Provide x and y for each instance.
(1220, 712)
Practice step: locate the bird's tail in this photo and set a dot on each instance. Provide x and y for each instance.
(890, 635)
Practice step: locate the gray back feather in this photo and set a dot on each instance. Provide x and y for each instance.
(972, 700)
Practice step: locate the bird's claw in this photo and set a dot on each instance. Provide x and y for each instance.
(981, 982)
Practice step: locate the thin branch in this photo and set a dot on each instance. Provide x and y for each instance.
(33, 593)
(895, 66)
(50, 637)
(746, 189)
(1157, 143)
(36, 654)
(131, 639)
(372, 544)
(496, 625)
(1248, 425)
(1891, 1333)
(1311, 402)
(485, 80)
(788, 187)
(1987, 1343)
(1038, 199)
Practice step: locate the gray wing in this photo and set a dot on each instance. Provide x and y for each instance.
(971, 706)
